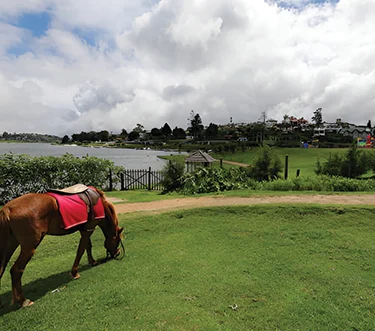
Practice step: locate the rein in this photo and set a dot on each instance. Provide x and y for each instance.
(120, 256)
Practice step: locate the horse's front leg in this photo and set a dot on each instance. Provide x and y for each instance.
(83, 245)
(90, 258)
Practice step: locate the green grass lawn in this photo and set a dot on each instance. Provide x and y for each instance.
(231, 268)
(298, 158)
(143, 195)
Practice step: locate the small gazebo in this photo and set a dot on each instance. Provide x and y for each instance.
(198, 158)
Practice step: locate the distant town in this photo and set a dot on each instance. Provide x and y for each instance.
(290, 132)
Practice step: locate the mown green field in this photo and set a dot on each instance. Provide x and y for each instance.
(298, 158)
(230, 268)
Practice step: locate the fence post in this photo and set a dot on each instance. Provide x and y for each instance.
(149, 178)
(298, 171)
(122, 181)
(221, 163)
(286, 167)
(110, 180)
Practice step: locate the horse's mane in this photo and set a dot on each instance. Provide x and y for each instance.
(109, 206)
(101, 193)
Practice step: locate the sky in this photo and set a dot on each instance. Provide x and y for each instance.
(82, 65)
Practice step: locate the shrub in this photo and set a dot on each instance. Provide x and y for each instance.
(205, 180)
(267, 165)
(173, 171)
(20, 174)
(352, 165)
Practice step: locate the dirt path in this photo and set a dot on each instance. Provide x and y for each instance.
(236, 163)
(187, 203)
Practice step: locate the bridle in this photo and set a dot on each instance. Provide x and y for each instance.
(119, 256)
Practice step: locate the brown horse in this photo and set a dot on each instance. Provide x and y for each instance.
(27, 219)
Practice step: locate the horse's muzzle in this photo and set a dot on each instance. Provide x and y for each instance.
(117, 255)
(118, 252)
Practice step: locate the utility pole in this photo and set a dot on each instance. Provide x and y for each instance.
(263, 120)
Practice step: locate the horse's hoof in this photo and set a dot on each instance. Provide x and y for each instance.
(27, 303)
(76, 276)
(94, 263)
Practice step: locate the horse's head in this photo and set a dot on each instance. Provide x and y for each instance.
(111, 230)
(112, 243)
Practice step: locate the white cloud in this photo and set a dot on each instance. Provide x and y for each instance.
(153, 62)
(11, 36)
(15, 8)
(104, 97)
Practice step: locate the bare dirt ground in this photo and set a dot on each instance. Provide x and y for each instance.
(236, 163)
(188, 203)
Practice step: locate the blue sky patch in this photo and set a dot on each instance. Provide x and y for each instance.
(288, 4)
(87, 35)
(37, 23)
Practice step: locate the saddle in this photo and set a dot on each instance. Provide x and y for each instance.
(87, 194)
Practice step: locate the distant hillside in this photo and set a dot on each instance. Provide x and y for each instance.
(30, 137)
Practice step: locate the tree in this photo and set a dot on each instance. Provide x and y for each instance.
(317, 118)
(155, 132)
(173, 171)
(351, 165)
(196, 126)
(369, 124)
(212, 131)
(166, 130)
(266, 166)
(123, 133)
(179, 133)
(65, 139)
(102, 135)
(134, 135)
(139, 128)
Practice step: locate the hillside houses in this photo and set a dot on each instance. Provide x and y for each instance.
(345, 129)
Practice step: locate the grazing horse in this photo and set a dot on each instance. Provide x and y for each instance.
(27, 219)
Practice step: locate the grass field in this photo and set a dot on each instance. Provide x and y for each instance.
(231, 268)
(298, 158)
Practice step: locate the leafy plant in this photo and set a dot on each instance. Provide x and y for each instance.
(20, 174)
(352, 165)
(173, 172)
(267, 165)
(205, 180)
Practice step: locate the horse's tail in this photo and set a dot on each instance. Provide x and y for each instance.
(4, 235)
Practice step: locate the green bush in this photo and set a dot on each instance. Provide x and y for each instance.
(173, 172)
(266, 166)
(351, 165)
(20, 174)
(321, 183)
(205, 180)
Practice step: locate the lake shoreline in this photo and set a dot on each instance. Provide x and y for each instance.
(126, 157)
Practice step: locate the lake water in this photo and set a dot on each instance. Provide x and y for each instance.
(129, 158)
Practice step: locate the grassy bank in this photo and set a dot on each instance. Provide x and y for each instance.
(298, 158)
(237, 268)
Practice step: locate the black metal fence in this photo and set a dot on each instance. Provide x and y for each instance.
(135, 179)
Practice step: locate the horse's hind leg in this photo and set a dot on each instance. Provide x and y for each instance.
(16, 272)
(12, 245)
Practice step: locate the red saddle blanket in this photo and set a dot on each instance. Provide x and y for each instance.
(73, 209)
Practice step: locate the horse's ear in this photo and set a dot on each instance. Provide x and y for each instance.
(120, 233)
